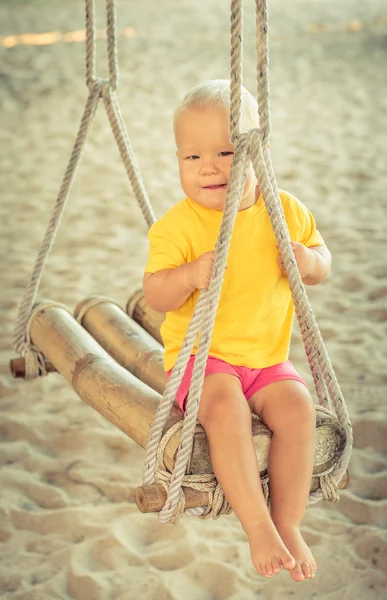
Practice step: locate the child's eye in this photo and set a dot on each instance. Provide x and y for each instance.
(192, 157)
(226, 153)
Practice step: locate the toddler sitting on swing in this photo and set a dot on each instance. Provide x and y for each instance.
(248, 367)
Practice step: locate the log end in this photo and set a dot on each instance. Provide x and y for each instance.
(150, 498)
(18, 368)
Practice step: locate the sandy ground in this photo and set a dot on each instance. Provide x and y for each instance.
(69, 527)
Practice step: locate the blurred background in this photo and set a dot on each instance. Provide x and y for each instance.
(328, 82)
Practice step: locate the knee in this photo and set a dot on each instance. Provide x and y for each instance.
(298, 412)
(225, 413)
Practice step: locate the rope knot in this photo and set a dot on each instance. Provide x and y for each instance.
(34, 362)
(329, 487)
(239, 140)
(98, 86)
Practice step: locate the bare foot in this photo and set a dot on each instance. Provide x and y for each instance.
(305, 567)
(268, 552)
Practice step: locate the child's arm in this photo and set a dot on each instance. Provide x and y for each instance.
(168, 289)
(314, 263)
(322, 265)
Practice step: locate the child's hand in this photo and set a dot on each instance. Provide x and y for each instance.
(199, 271)
(305, 258)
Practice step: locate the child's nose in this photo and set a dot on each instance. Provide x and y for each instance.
(208, 168)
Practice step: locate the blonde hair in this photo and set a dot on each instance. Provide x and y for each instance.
(216, 92)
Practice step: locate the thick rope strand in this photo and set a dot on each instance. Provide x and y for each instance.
(33, 285)
(112, 43)
(90, 42)
(236, 69)
(127, 154)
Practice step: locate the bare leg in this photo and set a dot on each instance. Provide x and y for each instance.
(226, 418)
(287, 409)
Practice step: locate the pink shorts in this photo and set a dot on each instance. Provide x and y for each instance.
(251, 380)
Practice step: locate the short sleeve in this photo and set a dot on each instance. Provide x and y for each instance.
(168, 248)
(309, 234)
(300, 221)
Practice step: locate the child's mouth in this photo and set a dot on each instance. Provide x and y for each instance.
(221, 186)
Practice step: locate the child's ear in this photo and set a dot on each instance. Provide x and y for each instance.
(177, 153)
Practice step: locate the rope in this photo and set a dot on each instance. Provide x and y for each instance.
(251, 146)
(97, 88)
(205, 482)
(217, 505)
(19, 339)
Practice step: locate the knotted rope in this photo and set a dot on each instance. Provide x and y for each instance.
(248, 146)
(98, 88)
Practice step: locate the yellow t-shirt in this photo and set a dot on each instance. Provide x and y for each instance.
(255, 314)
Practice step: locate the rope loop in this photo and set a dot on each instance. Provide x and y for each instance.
(91, 43)
(99, 86)
(206, 482)
(35, 364)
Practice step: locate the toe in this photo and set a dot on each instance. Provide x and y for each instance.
(276, 564)
(265, 572)
(269, 568)
(306, 570)
(297, 573)
(288, 563)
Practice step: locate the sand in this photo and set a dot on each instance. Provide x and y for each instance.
(69, 527)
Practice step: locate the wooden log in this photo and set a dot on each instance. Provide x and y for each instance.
(140, 311)
(329, 442)
(18, 367)
(120, 397)
(151, 498)
(124, 339)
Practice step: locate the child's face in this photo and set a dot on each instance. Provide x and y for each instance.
(205, 154)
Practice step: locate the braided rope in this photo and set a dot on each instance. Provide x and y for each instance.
(97, 88)
(205, 482)
(112, 43)
(236, 69)
(128, 157)
(91, 42)
(19, 339)
(252, 145)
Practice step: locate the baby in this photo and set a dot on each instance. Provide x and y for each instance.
(248, 367)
